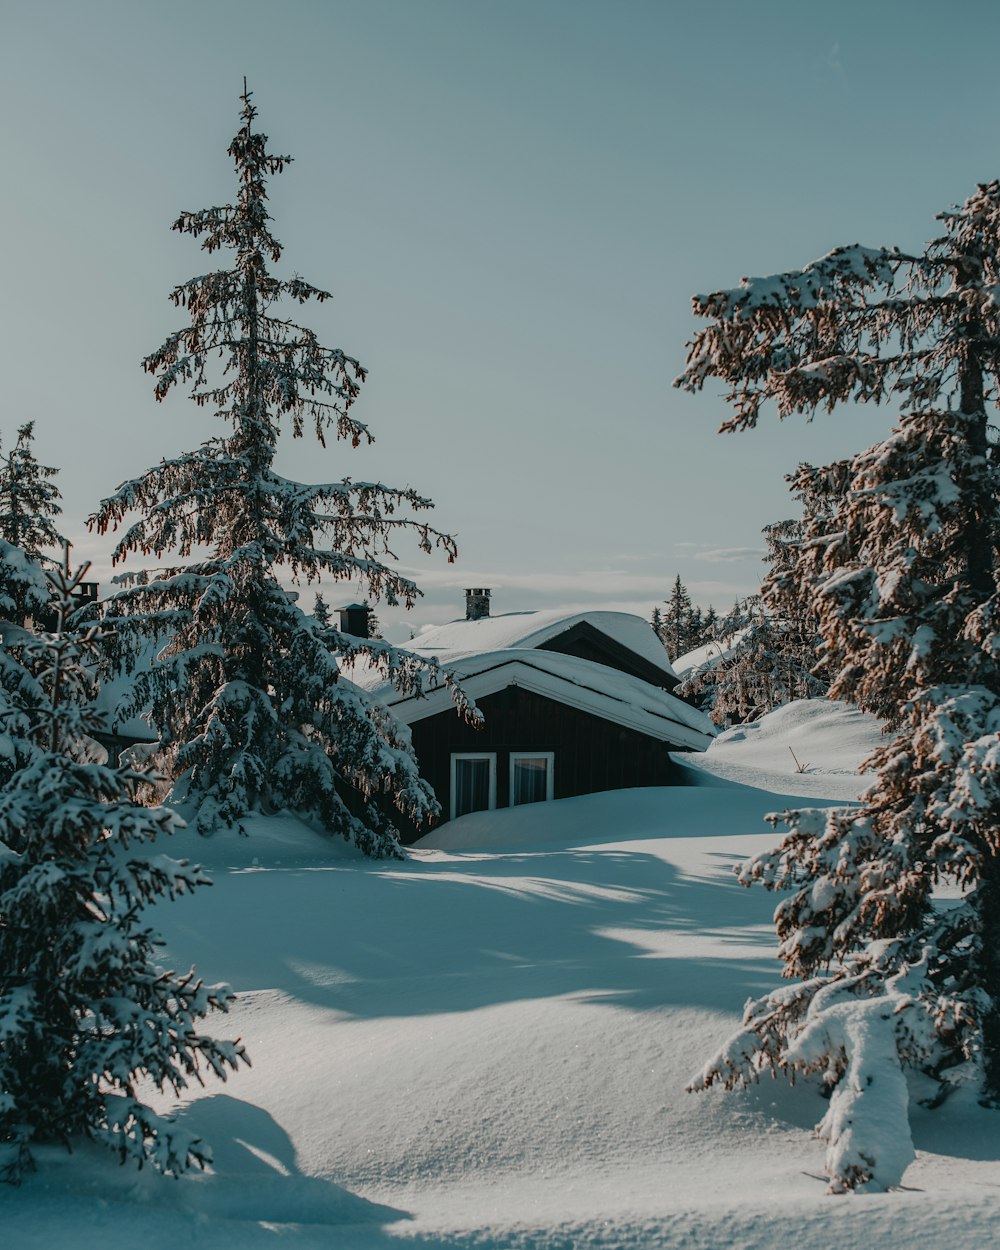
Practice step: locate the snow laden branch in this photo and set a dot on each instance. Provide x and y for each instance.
(357, 519)
(899, 556)
(859, 324)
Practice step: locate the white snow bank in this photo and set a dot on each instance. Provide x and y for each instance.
(614, 816)
(830, 741)
(274, 841)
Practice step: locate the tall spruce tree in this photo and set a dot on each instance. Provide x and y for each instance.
(904, 571)
(247, 695)
(85, 1011)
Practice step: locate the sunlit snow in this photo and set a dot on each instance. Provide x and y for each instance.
(487, 1044)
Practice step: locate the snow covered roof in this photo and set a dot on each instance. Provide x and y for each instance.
(533, 629)
(707, 656)
(583, 684)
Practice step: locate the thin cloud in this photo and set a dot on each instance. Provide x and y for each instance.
(728, 555)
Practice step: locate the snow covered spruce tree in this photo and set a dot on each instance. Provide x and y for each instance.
(321, 611)
(677, 630)
(736, 681)
(24, 592)
(29, 503)
(29, 499)
(247, 695)
(84, 1009)
(903, 568)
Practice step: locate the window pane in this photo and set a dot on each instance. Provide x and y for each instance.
(472, 786)
(531, 777)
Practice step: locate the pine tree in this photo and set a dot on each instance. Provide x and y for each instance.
(84, 1009)
(902, 561)
(799, 671)
(247, 696)
(656, 623)
(24, 591)
(321, 612)
(374, 624)
(27, 505)
(29, 502)
(29, 499)
(677, 620)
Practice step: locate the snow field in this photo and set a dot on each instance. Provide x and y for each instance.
(487, 1046)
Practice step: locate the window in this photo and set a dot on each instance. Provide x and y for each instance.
(531, 777)
(473, 783)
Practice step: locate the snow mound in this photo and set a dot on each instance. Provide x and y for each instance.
(812, 747)
(269, 841)
(614, 816)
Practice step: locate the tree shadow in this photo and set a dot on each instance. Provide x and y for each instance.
(255, 1177)
(960, 1128)
(626, 928)
(253, 1195)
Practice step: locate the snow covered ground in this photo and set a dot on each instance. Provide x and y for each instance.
(811, 747)
(487, 1045)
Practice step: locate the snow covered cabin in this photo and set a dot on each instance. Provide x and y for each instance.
(573, 704)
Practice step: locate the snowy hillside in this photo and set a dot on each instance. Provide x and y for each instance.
(810, 747)
(487, 1045)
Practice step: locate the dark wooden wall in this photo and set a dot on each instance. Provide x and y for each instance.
(591, 754)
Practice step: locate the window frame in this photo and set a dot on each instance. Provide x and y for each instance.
(453, 792)
(550, 775)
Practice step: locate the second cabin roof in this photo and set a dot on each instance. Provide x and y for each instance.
(527, 630)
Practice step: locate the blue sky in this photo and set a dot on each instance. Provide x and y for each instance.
(512, 204)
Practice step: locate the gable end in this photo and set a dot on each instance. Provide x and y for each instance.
(587, 643)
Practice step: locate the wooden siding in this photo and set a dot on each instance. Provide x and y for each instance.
(591, 754)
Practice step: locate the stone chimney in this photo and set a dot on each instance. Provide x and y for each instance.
(477, 605)
(354, 620)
